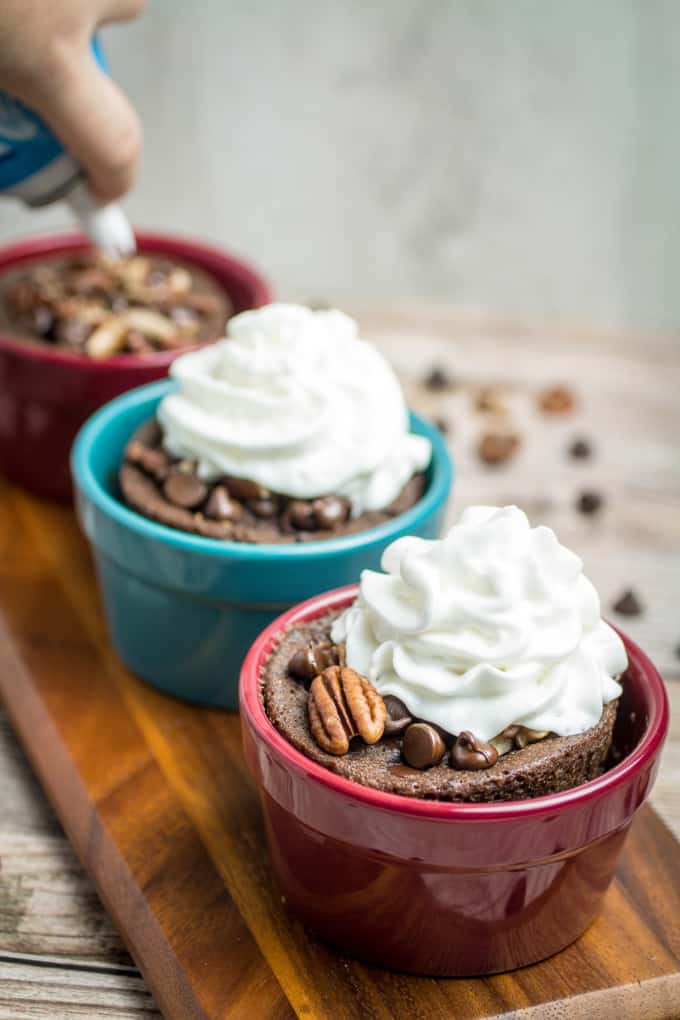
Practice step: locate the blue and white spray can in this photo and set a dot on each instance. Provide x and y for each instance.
(35, 168)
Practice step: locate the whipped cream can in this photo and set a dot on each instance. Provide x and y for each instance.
(35, 168)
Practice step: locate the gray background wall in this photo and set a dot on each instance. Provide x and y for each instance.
(519, 155)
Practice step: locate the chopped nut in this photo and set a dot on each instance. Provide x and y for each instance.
(108, 338)
(556, 400)
(525, 736)
(151, 323)
(134, 270)
(180, 281)
(342, 705)
(497, 447)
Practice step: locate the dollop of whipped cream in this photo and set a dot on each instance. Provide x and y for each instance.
(295, 400)
(493, 625)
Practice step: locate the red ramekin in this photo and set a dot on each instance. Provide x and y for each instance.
(438, 888)
(47, 393)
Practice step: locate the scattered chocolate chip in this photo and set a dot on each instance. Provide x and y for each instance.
(437, 379)
(556, 400)
(443, 425)
(245, 490)
(497, 447)
(330, 511)
(301, 514)
(184, 490)
(589, 502)
(580, 449)
(221, 506)
(308, 662)
(398, 717)
(267, 507)
(628, 604)
(422, 746)
(470, 754)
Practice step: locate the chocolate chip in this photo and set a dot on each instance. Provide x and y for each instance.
(330, 511)
(628, 604)
(422, 746)
(397, 718)
(221, 507)
(443, 425)
(497, 447)
(300, 513)
(184, 490)
(244, 489)
(153, 461)
(470, 754)
(311, 660)
(589, 503)
(556, 400)
(580, 449)
(265, 508)
(437, 379)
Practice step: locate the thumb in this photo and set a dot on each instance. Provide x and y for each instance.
(95, 123)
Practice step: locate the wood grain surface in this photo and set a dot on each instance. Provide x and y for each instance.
(174, 817)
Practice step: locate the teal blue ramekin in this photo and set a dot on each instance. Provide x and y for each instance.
(183, 610)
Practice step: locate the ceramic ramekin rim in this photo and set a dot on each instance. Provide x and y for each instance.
(86, 481)
(189, 248)
(253, 713)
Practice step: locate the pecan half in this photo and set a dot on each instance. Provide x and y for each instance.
(341, 705)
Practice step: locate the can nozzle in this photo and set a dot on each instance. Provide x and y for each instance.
(107, 226)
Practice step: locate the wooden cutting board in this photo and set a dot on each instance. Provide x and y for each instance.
(158, 805)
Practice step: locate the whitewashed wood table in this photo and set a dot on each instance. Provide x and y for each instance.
(59, 954)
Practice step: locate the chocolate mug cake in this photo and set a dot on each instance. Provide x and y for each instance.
(291, 429)
(475, 668)
(99, 307)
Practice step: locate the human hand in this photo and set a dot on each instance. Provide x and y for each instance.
(46, 61)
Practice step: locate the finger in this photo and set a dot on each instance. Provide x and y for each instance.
(119, 10)
(96, 124)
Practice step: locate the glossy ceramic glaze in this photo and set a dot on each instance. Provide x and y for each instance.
(183, 610)
(46, 393)
(445, 889)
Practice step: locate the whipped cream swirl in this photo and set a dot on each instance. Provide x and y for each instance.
(493, 625)
(295, 400)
